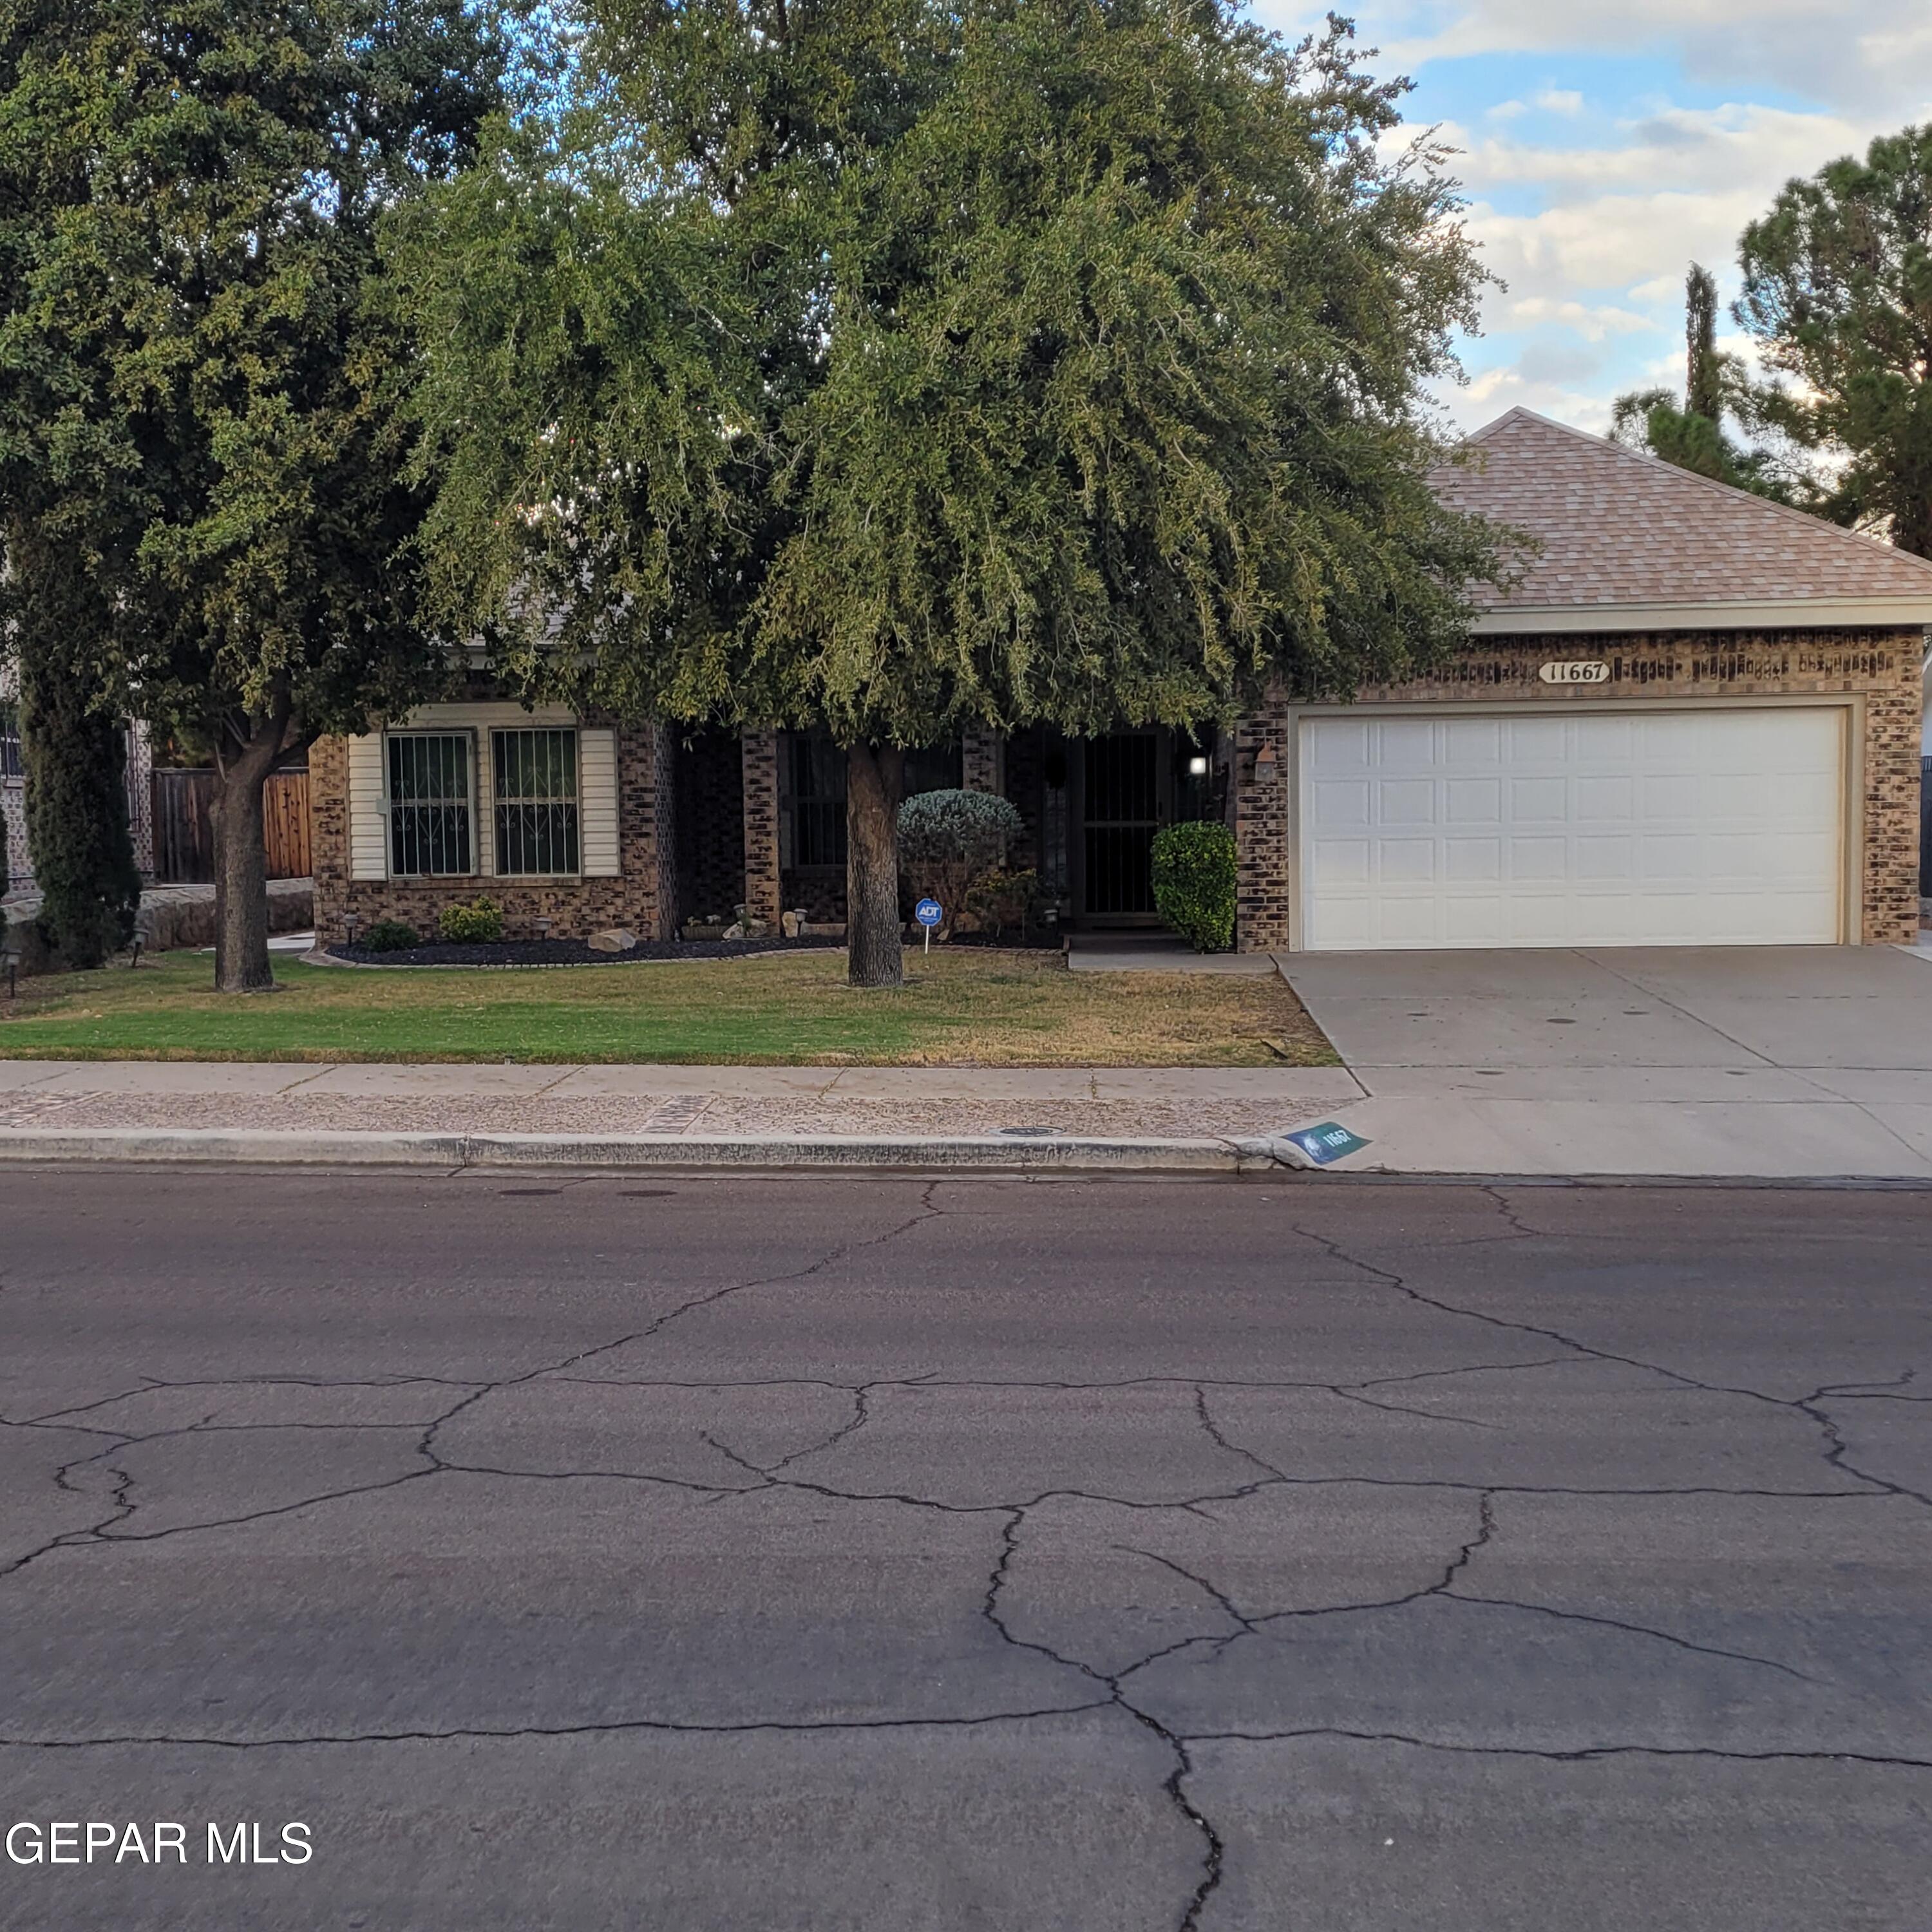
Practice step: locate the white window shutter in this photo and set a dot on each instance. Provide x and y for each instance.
(368, 834)
(599, 848)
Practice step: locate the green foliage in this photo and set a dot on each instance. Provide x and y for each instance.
(1837, 292)
(1693, 437)
(197, 389)
(480, 922)
(948, 841)
(74, 754)
(390, 935)
(895, 367)
(1000, 901)
(1194, 883)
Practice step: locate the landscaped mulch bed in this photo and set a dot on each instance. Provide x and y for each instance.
(569, 952)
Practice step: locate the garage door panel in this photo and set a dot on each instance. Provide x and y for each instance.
(1405, 801)
(1472, 801)
(1344, 806)
(1539, 800)
(1700, 826)
(1477, 861)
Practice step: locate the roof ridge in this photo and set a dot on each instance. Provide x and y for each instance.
(1817, 524)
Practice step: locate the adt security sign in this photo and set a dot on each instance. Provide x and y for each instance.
(1326, 1143)
(929, 912)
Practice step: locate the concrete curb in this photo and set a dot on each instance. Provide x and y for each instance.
(295, 1147)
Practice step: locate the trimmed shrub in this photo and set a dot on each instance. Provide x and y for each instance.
(390, 935)
(479, 923)
(1194, 883)
(999, 900)
(949, 839)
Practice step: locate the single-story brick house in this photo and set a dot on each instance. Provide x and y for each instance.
(1694, 719)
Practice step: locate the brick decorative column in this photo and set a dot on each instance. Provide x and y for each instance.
(1261, 881)
(980, 761)
(761, 754)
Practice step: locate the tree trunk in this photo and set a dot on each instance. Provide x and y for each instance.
(874, 782)
(241, 862)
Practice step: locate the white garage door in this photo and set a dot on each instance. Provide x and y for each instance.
(1650, 828)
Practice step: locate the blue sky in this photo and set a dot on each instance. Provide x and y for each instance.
(1608, 143)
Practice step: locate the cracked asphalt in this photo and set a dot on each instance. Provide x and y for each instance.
(1080, 1553)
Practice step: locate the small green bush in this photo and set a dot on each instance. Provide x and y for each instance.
(1194, 883)
(479, 923)
(948, 840)
(1003, 901)
(390, 935)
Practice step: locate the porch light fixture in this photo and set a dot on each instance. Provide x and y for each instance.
(1197, 768)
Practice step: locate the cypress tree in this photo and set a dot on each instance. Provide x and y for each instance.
(75, 755)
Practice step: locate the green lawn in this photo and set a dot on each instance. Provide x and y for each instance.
(962, 1008)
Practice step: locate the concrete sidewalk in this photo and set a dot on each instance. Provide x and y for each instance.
(1187, 1117)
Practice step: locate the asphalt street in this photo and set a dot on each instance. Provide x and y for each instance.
(876, 1554)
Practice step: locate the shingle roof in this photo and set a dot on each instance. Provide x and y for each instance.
(1623, 532)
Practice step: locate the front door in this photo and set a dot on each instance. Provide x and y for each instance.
(1125, 799)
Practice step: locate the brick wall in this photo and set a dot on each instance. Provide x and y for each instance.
(1881, 666)
(642, 898)
(980, 761)
(760, 769)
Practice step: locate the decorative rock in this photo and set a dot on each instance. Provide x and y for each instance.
(789, 924)
(737, 931)
(613, 939)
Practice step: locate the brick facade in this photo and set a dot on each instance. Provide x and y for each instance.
(759, 767)
(1879, 668)
(980, 760)
(642, 898)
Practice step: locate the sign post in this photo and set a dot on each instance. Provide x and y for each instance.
(929, 912)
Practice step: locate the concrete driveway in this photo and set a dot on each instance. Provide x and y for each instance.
(1781, 1061)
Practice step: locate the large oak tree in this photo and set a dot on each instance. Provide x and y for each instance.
(196, 390)
(897, 368)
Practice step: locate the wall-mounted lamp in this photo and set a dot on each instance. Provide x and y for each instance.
(1197, 768)
(1264, 759)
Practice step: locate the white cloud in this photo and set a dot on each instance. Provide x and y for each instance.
(1805, 46)
(1591, 322)
(1560, 100)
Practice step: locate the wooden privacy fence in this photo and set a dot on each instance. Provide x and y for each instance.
(185, 833)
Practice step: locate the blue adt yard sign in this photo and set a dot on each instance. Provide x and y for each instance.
(1327, 1142)
(929, 912)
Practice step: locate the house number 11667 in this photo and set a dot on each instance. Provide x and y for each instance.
(1577, 671)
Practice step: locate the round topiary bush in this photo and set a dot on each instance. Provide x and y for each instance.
(948, 840)
(1194, 883)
